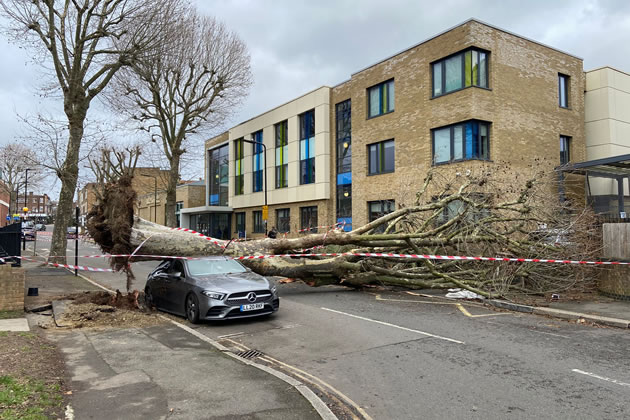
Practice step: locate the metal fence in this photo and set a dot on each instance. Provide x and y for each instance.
(10, 242)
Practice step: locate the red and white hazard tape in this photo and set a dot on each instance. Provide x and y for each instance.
(56, 265)
(359, 254)
(208, 238)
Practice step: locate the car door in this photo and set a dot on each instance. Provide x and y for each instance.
(176, 287)
(158, 285)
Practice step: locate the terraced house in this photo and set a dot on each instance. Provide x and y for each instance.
(472, 95)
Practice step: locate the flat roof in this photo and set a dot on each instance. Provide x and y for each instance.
(608, 167)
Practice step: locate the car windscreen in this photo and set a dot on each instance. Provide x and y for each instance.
(208, 267)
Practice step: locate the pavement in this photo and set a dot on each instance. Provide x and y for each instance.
(166, 371)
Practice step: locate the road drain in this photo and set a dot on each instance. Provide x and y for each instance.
(249, 354)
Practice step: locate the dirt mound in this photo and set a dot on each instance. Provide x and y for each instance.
(105, 310)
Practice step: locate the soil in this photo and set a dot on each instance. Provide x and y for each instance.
(104, 310)
(31, 366)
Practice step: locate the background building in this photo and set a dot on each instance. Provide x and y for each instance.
(189, 194)
(607, 122)
(38, 206)
(471, 97)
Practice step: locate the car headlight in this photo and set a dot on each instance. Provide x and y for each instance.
(213, 295)
(274, 289)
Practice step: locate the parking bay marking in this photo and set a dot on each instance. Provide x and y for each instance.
(459, 305)
(603, 378)
(395, 326)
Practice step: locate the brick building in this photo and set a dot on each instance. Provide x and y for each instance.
(188, 194)
(5, 205)
(471, 96)
(145, 181)
(38, 206)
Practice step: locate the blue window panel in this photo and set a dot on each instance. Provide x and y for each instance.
(214, 199)
(344, 178)
(346, 223)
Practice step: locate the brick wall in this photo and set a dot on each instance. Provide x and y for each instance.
(521, 104)
(11, 288)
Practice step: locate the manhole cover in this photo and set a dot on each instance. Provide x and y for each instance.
(249, 354)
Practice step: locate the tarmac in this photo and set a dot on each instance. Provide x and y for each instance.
(160, 372)
(171, 371)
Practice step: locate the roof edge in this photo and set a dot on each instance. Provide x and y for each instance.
(455, 27)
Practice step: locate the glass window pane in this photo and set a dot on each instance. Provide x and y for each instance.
(303, 149)
(390, 96)
(458, 142)
(483, 138)
(373, 150)
(468, 68)
(311, 147)
(437, 79)
(483, 70)
(442, 145)
(453, 67)
(389, 157)
(475, 68)
(374, 101)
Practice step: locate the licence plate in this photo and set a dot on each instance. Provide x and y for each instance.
(252, 307)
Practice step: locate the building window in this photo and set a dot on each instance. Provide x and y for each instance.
(308, 219)
(239, 178)
(377, 209)
(464, 69)
(344, 201)
(257, 161)
(178, 210)
(240, 224)
(565, 149)
(381, 157)
(307, 147)
(344, 163)
(259, 225)
(283, 220)
(344, 137)
(218, 176)
(381, 99)
(563, 90)
(282, 153)
(464, 141)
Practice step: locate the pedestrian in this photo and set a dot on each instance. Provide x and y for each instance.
(273, 233)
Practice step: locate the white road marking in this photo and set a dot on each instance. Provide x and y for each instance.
(603, 378)
(231, 335)
(395, 326)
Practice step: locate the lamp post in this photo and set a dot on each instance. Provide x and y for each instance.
(154, 197)
(264, 172)
(25, 209)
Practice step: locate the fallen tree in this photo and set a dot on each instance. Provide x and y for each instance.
(461, 216)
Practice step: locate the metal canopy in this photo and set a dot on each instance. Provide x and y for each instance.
(614, 167)
(610, 167)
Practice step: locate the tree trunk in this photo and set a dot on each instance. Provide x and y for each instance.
(171, 190)
(69, 176)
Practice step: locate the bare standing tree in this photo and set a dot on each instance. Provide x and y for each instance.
(14, 159)
(198, 78)
(87, 42)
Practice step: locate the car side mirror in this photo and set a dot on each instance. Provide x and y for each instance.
(176, 274)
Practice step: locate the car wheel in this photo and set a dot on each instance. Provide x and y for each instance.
(148, 298)
(192, 308)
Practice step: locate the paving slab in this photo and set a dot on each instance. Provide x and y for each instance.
(14, 324)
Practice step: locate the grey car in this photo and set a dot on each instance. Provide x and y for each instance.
(212, 288)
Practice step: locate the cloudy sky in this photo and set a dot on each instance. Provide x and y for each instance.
(299, 45)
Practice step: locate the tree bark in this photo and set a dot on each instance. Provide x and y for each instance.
(171, 190)
(69, 177)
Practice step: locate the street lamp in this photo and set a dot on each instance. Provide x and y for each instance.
(154, 197)
(264, 172)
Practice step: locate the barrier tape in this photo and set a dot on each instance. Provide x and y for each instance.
(352, 254)
(208, 238)
(72, 267)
